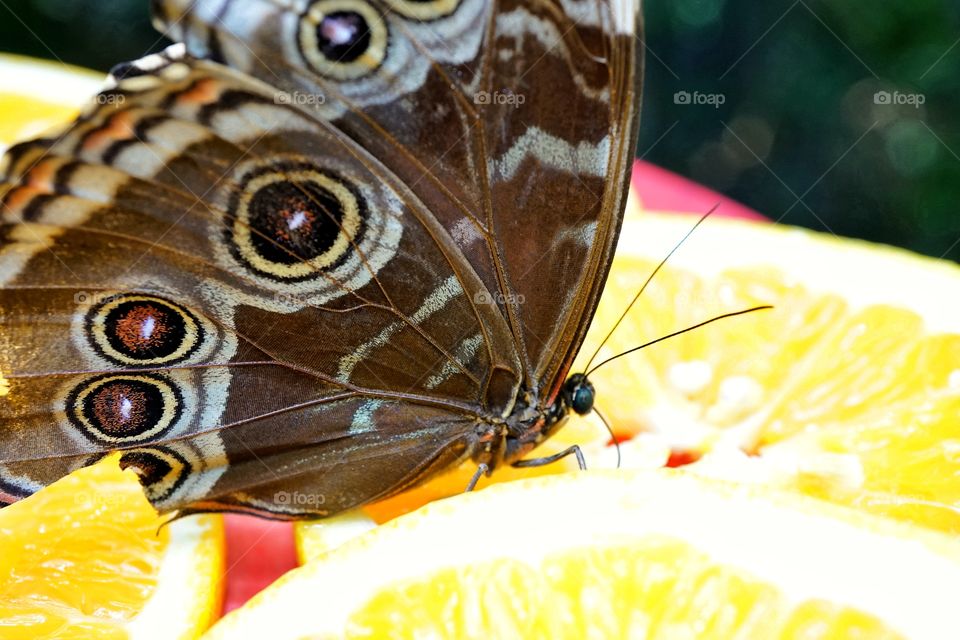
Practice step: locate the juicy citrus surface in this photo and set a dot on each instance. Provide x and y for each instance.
(849, 389)
(29, 117)
(87, 558)
(652, 553)
(586, 593)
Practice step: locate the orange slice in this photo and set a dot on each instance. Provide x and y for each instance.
(645, 554)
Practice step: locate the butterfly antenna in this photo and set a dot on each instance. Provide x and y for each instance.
(677, 333)
(649, 279)
(613, 437)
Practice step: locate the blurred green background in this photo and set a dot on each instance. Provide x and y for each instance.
(835, 115)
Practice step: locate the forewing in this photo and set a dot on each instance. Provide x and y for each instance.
(513, 121)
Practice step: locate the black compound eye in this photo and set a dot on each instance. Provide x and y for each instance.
(582, 401)
(143, 330)
(291, 223)
(343, 39)
(120, 409)
(579, 393)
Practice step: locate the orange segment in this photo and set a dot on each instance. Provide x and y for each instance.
(596, 593)
(647, 554)
(87, 558)
(851, 384)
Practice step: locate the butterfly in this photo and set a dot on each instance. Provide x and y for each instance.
(329, 248)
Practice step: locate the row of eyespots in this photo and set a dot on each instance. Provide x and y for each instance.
(292, 222)
(138, 408)
(134, 332)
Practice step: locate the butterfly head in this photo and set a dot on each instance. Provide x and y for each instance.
(579, 394)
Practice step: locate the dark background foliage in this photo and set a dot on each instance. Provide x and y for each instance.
(783, 114)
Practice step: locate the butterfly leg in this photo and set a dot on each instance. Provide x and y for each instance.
(539, 462)
(481, 470)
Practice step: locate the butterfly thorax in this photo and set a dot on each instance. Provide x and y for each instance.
(532, 421)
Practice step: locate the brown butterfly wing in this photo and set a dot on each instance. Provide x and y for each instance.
(513, 121)
(347, 386)
(558, 166)
(134, 209)
(388, 447)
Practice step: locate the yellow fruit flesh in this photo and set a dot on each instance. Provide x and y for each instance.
(868, 386)
(65, 552)
(82, 558)
(652, 588)
(25, 117)
(910, 457)
(37, 95)
(656, 554)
